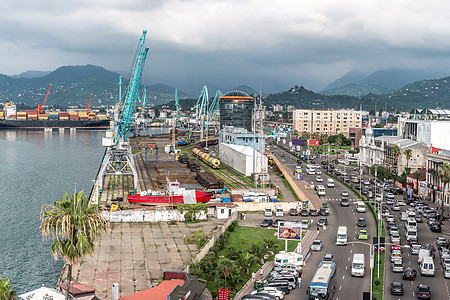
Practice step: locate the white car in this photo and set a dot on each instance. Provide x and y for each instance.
(366, 182)
(401, 203)
(396, 256)
(396, 207)
(316, 245)
(319, 178)
(447, 272)
(394, 230)
(397, 266)
(318, 172)
(344, 193)
(395, 238)
(415, 249)
(390, 196)
(270, 290)
(411, 212)
(445, 262)
(305, 224)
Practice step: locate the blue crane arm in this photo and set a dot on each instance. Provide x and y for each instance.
(177, 104)
(129, 101)
(215, 103)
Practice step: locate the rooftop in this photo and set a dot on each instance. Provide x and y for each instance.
(160, 292)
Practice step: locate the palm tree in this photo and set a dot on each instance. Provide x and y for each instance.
(408, 154)
(338, 143)
(6, 290)
(396, 151)
(271, 244)
(74, 224)
(258, 251)
(417, 176)
(444, 176)
(305, 135)
(226, 267)
(245, 262)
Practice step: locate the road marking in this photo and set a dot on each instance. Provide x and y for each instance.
(349, 259)
(343, 277)
(351, 251)
(340, 288)
(346, 267)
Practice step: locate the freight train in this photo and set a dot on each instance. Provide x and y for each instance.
(206, 158)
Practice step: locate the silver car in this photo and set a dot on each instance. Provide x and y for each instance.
(415, 249)
(397, 266)
(344, 193)
(447, 272)
(316, 245)
(395, 238)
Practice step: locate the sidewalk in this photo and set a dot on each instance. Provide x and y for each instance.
(276, 180)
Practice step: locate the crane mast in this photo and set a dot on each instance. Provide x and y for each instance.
(41, 107)
(89, 105)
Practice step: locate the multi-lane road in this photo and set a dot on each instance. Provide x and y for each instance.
(349, 287)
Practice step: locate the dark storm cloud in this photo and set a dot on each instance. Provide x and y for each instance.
(292, 42)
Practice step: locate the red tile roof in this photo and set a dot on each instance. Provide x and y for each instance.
(77, 288)
(159, 292)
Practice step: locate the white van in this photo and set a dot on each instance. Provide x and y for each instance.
(279, 211)
(411, 232)
(288, 258)
(427, 267)
(268, 212)
(358, 265)
(423, 253)
(341, 238)
(360, 207)
(320, 190)
(410, 222)
(330, 183)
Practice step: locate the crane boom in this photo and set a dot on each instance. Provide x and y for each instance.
(41, 107)
(89, 105)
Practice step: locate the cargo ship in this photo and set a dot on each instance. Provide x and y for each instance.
(172, 195)
(10, 118)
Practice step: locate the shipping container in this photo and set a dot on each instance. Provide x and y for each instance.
(32, 112)
(32, 117)
(53, 117)
(21, 118)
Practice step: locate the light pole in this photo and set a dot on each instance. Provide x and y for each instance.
(371, 262)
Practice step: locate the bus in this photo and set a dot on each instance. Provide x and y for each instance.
(323, 284)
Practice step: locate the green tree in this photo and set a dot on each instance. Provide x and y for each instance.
(192, 211)
(417, 176)
(271, 244)
(444, 176)
(226, 267)
(305, 135)
(396, 151)
(408, 154)
(323, 138)
(245, 262)
(6, 290)
(74, 224)
(258, 250)
(338, 143)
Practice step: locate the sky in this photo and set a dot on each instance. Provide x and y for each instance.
(275, 43)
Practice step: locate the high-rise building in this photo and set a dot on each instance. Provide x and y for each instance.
(236, 110)
(327, 121)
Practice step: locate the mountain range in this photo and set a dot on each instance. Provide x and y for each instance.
(72, 85)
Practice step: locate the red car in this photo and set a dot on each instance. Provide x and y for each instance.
(313, 212)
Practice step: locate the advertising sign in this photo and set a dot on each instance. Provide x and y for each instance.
(298, 142)
(290, 231)
(312, 142)
(223, 294)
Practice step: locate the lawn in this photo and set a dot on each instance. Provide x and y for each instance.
(377, 289)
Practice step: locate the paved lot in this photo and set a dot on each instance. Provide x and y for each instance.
(136, 254)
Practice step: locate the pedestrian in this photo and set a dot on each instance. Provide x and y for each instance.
(260, 273)
(253, 276)
(312, 221)
(318, 228)
(324, 227)
(299, 280)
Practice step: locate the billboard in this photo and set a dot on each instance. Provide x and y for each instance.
(290, 231)
(312, 142)
(298, 142)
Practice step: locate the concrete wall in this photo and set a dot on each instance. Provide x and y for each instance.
(203, 251)
(149, 216)
(261, 206)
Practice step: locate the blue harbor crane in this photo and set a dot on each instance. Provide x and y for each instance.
(177, 104)
(118, 159)
(215, 103)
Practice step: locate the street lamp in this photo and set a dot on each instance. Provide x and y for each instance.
(371, 262)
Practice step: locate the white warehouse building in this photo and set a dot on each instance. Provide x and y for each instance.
(241, 159)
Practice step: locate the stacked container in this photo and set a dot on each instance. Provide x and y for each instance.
(101, 117)
(64, 116)
(2, 116)
(84, 116)
(91, 115)
(32, 114)
(43, 117)
(53, 116)
(21, 115)
(73, 116)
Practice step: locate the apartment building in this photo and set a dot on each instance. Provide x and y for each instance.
(327, 121)
(435, 187)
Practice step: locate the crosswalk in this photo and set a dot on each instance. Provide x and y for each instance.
(339, 199)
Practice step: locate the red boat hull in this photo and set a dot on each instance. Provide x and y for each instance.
(199, 195)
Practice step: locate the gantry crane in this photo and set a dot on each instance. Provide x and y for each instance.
(89, 105)
(118, 159)
(41, 107)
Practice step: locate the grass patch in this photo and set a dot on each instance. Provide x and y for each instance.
(378, 282)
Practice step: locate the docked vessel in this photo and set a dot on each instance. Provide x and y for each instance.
(174, 194)
(10, 118)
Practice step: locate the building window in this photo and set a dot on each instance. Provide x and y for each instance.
(222, 211)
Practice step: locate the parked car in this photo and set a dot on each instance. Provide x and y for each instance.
(293, 212)
(313, 212)
(435, 227)
(266, 223)
(316, 245)
(304, 213)
(396, 288)
(447, 272)
(322, 221)
(277, 222)
(409, 274)
(324, 211)
(423, 291)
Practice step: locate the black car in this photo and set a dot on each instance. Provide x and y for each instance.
(324, 211)
(397, 288)
(276, 222)
(413, 241)
(304, 213)
(322, 221)
(293, 212)
(337, 173)
(361, 222)
(435, 227)
(423, 291)
(364, 192)
(299, 162)
(345, 202)
(409, 274)
(266, 223)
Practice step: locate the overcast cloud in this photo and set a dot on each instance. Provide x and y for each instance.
(278, 42)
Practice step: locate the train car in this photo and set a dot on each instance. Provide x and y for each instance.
(206, 158)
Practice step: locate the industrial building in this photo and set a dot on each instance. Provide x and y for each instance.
(236, 110)
(242, 137)
(431, 132)
(328, 121)
(244, 159)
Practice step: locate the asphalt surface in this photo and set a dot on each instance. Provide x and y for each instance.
(347, 287)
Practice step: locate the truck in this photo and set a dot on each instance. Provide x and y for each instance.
(268, 212)
(358, 264)
(341, 237)
(279, 211)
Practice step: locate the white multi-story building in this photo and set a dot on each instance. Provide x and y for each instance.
(435, 187)
(327, 121)
(434, 133)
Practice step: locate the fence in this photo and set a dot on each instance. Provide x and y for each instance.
(205, 249)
